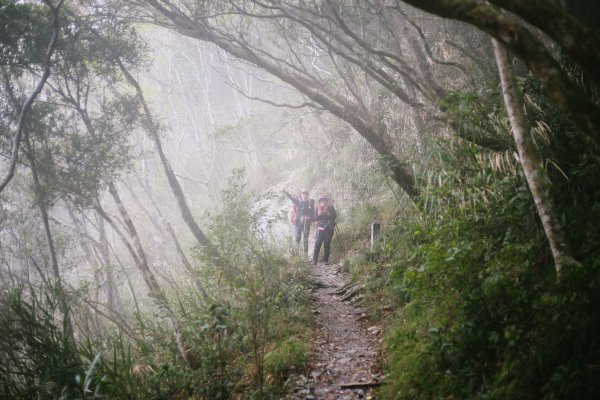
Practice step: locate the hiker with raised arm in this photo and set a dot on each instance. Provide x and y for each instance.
(302, 216)
(325, 217)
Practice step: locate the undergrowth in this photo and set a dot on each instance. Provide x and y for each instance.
(474, 307)
(245, 336)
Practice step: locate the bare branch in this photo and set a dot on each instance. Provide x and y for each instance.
(238, 89)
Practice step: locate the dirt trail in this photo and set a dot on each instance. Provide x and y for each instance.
(344, 363)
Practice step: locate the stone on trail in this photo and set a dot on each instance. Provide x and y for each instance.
(344, 350)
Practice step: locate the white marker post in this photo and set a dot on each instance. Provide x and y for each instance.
(375, 229)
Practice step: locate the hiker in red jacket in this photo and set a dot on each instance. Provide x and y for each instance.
(325, 216)
(305, 210)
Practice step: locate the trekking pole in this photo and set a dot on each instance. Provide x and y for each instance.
(336, 230)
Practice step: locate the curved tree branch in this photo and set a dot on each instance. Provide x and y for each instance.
(16, 140)
(578, 41)
(521, 41)
(371, 129)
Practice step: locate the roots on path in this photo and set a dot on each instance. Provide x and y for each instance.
(344, 363)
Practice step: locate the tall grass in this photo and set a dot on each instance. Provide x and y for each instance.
(37, 359)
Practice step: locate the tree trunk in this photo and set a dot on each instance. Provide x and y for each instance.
(113, 296)
(576, 39)
(151, 130)
(184, 260)
(99, 258)
(149, 277)
(435, 91)
(140, 256)
(136, 303)
(41, 203)
(336, 104)
(536, 176)
(420, 127)
(112, 291)
(151, 218)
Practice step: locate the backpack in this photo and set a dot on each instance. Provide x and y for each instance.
(330, 222)
(293, 213)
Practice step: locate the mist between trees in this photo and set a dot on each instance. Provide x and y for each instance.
(144, 245)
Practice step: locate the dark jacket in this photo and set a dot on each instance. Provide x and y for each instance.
(306, 208)
(325, 217)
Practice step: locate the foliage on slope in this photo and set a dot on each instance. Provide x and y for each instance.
(477, 309)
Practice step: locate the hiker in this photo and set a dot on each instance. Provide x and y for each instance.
(304, 213)
(325, 216)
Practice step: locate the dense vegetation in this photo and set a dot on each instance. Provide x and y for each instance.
(481, 312)
(144, 252)
(245, 329)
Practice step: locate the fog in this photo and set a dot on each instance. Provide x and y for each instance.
(151, 152)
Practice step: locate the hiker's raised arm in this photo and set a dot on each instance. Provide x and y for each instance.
(292, 198)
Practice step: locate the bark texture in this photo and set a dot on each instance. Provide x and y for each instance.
(536, 176)
(579, 41)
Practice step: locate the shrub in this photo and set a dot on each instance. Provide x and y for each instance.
(288, 356)
(480, 312)
(263, 291)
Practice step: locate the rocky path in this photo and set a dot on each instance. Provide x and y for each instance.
(344, 363)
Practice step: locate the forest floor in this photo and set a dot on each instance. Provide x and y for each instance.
(344, 361)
